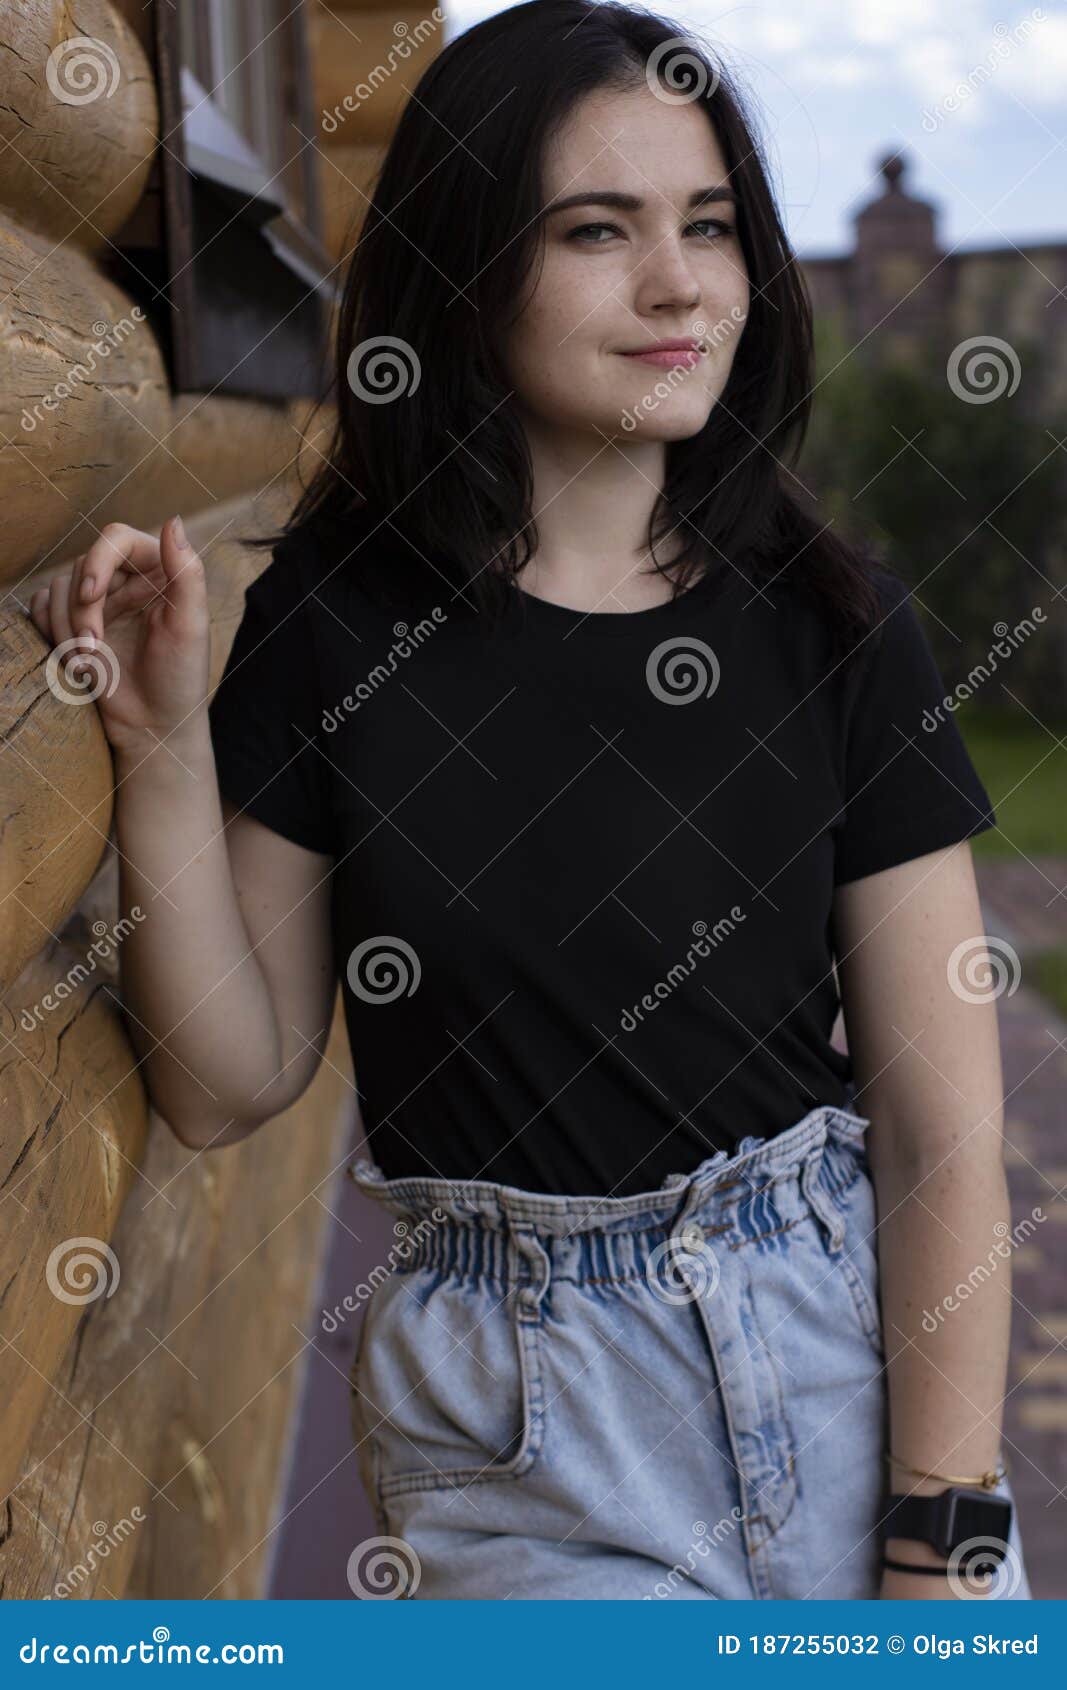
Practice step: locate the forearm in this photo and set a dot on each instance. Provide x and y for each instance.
(199, 1013)
(944, 1253)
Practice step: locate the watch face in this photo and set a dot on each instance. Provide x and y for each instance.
(983, 1521)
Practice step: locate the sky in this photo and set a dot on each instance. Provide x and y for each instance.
(974, 92)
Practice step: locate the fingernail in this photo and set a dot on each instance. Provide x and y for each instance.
(88, 587)
(179, 533)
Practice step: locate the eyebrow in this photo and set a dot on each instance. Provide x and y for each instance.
(633, 202)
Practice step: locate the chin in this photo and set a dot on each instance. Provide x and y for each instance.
(665, 423)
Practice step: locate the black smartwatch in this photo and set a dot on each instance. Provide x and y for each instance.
(950, 1520)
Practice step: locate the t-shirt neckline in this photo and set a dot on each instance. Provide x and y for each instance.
(622, 623)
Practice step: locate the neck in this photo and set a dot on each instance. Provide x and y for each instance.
(592, 502)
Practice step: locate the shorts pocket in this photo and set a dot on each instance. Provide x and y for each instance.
(448, 1387)
(841, 1193)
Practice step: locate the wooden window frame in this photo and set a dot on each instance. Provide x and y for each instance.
(248, 278)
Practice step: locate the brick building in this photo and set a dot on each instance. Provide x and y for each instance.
(899, 291)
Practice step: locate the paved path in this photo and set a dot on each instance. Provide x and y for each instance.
(1024, 904)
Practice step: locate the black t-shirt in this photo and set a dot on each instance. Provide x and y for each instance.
(584, 866)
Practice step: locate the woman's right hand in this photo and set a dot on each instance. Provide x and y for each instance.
(144, 603)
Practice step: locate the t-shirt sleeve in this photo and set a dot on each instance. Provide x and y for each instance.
(265, 717)
(910, 784)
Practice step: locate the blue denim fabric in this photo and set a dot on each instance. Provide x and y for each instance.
(675, 1394)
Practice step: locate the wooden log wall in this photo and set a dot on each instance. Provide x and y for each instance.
(155, 1304)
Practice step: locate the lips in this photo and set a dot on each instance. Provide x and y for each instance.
(669, 355)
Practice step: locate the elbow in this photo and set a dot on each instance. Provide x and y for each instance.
(205, 1132)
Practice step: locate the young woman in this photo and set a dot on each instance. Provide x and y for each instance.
(566, 734)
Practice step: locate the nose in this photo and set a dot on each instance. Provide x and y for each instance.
(666, 280)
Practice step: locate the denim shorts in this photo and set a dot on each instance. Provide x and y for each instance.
(678, 1394)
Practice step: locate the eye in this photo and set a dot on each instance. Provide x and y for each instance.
(583, 229)
(711, 223)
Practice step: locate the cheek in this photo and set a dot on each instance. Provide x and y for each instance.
(559, 330)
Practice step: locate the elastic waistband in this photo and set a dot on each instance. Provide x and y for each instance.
(756, 1162)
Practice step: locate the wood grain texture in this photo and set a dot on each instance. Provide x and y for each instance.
(373, 60)
(112, 1453)
(79, 120)
(89, 429)
(160, 1440)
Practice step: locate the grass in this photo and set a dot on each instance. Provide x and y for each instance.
(1025, 773)
(1047, 973)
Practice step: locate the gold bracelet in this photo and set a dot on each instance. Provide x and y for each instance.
(984, 1481)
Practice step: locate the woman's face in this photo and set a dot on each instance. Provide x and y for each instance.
(617, 279)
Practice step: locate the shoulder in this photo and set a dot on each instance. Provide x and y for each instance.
(896, 641)
(344, 568)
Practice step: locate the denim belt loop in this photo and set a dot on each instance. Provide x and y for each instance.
(820, 1200)
(524, 1243)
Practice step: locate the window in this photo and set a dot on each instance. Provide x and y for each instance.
(249, 281)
